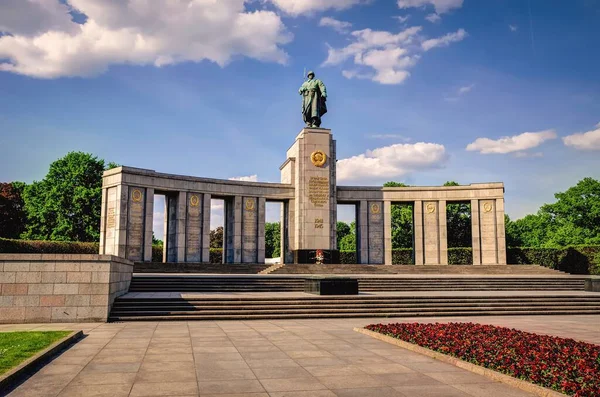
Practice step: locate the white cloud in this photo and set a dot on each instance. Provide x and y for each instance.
(513, 28)
(517, 143)
(589, 140)
(463, 90)
(385, 57)
(460, 92)
(249, 178)
(445, 40)
(402, 19)
(131, 32)
(392, 161)
(339, 26)
(433, 18)
(31, 17)
(298, 7)
(441, 6)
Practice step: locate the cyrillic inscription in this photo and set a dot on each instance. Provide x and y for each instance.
(318, 190)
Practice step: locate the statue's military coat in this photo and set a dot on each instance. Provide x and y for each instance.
(314, 95)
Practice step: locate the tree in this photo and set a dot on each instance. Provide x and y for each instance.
(342, 230)
(156, 241)
(272, 239)
(402, 221)
(574, 219)
(395, 184)
(12, 211)
(348, 243)
(458, 222)
(216, 237)
(65, 205)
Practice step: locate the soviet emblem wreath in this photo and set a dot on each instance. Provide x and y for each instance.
(318, 158)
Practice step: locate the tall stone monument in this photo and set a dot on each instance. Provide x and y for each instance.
(310, 167)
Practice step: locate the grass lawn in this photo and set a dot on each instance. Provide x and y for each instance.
(15, 347)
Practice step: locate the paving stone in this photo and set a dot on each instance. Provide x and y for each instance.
(165, 376)
(280, 373)
(114, 390)
(164, 389)
(104, 378)
(224, 374)
(350, 381)
(368, 392)
(292, 384)
(430, 391)
(230, 386)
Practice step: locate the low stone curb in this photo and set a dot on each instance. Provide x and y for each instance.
(489, 373)
(33, 363)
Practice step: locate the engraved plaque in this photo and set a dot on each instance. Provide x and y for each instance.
(318, 190)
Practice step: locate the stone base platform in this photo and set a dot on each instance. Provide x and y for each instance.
(331, 286)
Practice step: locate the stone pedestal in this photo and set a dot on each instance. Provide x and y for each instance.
(310, 167)
(331, 286)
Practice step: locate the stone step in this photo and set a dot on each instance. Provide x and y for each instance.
(250, 316)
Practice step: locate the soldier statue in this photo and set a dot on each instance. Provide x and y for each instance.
(314, 95)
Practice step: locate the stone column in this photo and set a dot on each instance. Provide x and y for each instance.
(443, 232)
(103, 210)
(233, 230)
(418, 247)
(315, 202)
(206, 209)
(475, 232)
(135, 223)
(249, 239)
(362, 232)
(501, 231)
(286, 232)
(386, 227)
(176, 226)
(262, 208)
(431, 232)
(487, 230)
(193, 230)
(148, 224)
(181, 225)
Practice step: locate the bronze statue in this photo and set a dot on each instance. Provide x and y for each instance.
(314, 96)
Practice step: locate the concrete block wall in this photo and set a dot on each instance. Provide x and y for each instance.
(54, 288)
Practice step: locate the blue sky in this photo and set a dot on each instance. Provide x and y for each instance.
(210, 89)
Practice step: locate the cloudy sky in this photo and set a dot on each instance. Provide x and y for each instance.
(420, 91)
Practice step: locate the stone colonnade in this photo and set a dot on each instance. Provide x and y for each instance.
(309, 213)
(128, 209)
(430, 240)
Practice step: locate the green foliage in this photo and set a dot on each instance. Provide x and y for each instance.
(272, 239)
(216, 255)
(348, 243)
(216, 237)
(342, 230)
(12, 209)
(460, 256)
(8, 246)
(157, 252)
(402, 226)
(574, 260)
(402, 256)
(395, 184)
(348, 257)
(16, 347)
(156, 241)
(574, 219)
(595, 267)
(65, 205)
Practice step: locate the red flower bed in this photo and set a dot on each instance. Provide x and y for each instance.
(564, 365)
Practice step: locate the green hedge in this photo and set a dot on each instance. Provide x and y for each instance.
(460, 256)
(9, 246)
(348, 257)
(574, 260)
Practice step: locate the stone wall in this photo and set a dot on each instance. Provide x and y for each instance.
(44, 288)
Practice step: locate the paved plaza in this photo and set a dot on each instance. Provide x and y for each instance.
(266, 358)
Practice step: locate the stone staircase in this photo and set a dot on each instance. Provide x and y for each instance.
(201, 283)
(411, 269)
(204, 268)
(249, 308)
